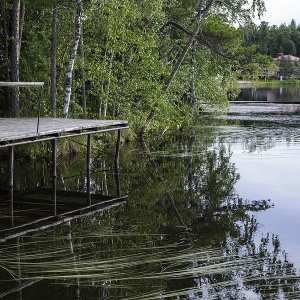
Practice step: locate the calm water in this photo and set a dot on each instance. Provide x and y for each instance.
(212, 214)
(282, 94)
(266, 149)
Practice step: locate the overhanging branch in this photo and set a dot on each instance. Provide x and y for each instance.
(200, 39)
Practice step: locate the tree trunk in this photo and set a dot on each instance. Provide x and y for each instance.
(82, 75)
(15, 56)
(4, 30)
(108, 83)
(4, 60)
(77, 35)
(22, 18)
(202, 14)
(103, 105)
(53, 63)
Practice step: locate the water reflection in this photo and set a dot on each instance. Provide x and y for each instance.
(266, 155)
(280, 94)
(191, 228)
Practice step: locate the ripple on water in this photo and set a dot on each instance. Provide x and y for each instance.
(264, 108)
(265, 112)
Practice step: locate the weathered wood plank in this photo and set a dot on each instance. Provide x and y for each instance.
(13, 130)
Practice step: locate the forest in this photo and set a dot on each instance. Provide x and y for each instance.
(158, 64)
(274, 40)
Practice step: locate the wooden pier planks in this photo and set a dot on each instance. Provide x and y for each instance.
(18, 131)
(14, 131)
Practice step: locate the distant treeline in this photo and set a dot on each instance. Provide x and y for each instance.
(272, 39)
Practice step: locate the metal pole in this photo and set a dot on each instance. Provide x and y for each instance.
(39, 113)
(11, 182)
(88, 168)
(54, 173)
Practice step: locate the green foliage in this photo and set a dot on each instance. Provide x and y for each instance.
(129, 49)
(272, 39)
(288, 68)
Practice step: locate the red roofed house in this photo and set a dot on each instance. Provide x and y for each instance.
(280, 56)
(289, 66)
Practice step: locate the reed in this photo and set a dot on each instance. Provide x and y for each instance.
(86, 260)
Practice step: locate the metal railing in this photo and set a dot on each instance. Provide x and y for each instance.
(27, 84)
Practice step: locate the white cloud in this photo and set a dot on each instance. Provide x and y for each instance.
(279, 12)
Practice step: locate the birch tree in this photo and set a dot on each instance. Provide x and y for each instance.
(74, 49)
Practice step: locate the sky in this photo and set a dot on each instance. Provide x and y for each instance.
(279, 12)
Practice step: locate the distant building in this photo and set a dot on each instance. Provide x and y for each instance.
(289, 66)
(281, 56)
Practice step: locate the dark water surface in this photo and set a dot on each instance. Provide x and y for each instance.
(212, 214)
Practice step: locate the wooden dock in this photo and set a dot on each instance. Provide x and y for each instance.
(22, 131)
(16, 131)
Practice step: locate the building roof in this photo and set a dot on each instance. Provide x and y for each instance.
(281, 56)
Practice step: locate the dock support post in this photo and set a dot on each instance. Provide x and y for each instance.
(117, 154)
(11, 183)
(88, 168)
(54, 173)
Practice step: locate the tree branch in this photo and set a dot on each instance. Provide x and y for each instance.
(201, 16)
(203, 41)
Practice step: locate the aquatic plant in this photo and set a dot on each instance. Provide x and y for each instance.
(140, 265)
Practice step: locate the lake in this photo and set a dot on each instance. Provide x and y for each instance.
(211, 214)
(285, 93)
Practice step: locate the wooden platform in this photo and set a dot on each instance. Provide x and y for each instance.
(20, 131)
(15, 131)
(26, 211)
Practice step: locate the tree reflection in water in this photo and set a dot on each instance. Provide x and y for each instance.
(184, 233)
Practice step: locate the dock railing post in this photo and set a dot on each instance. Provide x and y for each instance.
(19, 84)
(40, 107)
